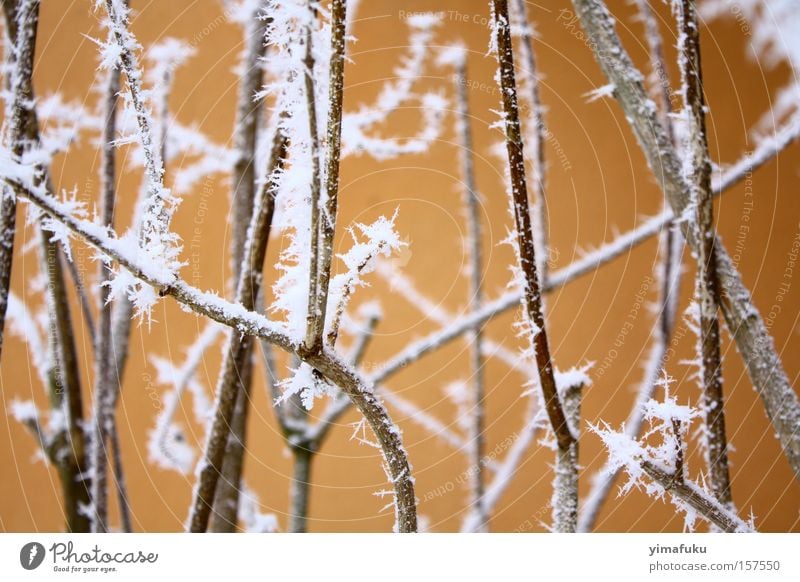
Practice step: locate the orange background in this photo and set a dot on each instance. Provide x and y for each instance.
(602, 188)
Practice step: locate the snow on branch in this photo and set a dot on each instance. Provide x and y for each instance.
(751, 334)
(655, 463)
(158, 206)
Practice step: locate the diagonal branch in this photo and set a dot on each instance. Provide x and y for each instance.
(743, 320)
(251, 323)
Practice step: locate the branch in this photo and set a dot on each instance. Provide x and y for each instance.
(314, 323)
(532, 298)
(670, 253)
(474, 239)
(119, 480)
(249, 322)
(334, 153)
(565, 484)
(248, 110)
(706, 506)
(107, 382)
(707, 282)
(158, 207)
(535, 137)
(743, 320)
(239, 348)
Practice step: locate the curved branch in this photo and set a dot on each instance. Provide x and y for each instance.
(249, 322)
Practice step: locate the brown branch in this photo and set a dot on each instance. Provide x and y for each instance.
(707, 282)
(239, 348)
(314, 324)
(532, 298)
(333, 145)
(536, 139)
(248, 113)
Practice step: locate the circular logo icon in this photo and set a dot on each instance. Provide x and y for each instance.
(31, 555)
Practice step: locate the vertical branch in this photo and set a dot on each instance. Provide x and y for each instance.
(313, 314)
(565, 485)
(474, 238)
(300, 488)
(8, 203)
(248, 114)
(707, 282)
(107, 383)
(239, 347)
(21, 134)
(119, 479)
(532, 298)
(333, 145)
(536, 134)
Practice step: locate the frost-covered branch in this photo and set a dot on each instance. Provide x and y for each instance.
(248, 322)
(333, 151)
(21, 135)
(158, 205)
(246, 131)
(314, 320)
(21, 22)
(475, 337)
(743, 320)
(565, 483)
(532, 298)
(699, 175)
(668, 276)
(106, 378)
(239, 348)
(659, 456)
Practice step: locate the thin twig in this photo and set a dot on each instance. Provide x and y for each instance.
(474, 239)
